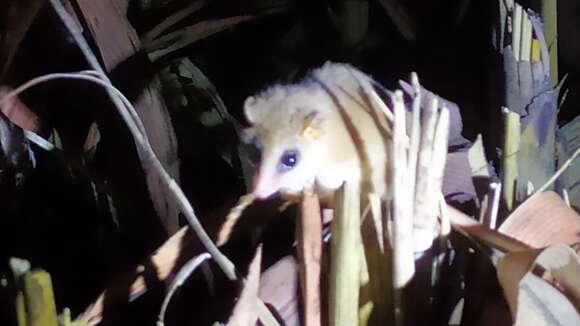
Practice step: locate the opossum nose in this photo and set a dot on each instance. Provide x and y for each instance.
(264, 187)
(262, 194)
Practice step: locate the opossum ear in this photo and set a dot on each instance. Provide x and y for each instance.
(251, 110)
(311, 125)
(249, 136)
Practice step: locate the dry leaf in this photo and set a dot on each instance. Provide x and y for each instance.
(563, 265)
(533, 300)
(279, 288)
(17, 112)
(510, 270)
(245, 311)
(93, 138)
(543, 220)
(477, 159)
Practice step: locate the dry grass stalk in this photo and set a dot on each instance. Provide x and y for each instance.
(402, 225)
(432, 157)
(232, 218)
(377, 293)
(309, 238)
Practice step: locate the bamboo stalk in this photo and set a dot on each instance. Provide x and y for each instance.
(39, 297)
(550, 17)
(345, 258)
(536, 55)
(526, 38)
(509, 160)
(35, 304)
(517, 31)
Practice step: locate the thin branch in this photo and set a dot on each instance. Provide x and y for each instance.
(172, 20)
(186, 36)
(143, 144)
(559, 172)
(178, 281)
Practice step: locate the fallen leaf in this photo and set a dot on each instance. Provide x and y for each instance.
(543, 220)
(16, 111)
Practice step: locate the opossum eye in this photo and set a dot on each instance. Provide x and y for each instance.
(288, 160)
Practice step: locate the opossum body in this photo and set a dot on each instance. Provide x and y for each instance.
(319, 132)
